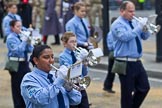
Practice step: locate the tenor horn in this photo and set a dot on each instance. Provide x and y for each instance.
(153, 29)
(83, 82)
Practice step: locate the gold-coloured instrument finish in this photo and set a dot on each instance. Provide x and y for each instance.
(96, 36)
(152, 28)
(83, 82)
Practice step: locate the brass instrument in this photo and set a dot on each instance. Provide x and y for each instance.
(83, 82)
(33, 36)
(96, 36)
(92, 57)
(152, 28)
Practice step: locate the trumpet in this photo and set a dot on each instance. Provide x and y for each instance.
(83, 83)
(92, 57)
(150, 26)
(34, 40)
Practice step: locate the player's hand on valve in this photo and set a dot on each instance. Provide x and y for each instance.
(68, 86)
(24, 38)
(83, 54)
(62, 72)
(143, 22)
(25, 33)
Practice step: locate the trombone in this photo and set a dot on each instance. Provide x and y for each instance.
(83, 82)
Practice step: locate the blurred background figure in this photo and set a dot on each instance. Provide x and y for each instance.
(18, 49)
(67, 10)
(108, 83)
(11, 15)
(25, 11)
(80, 26)
(51, 24)
(2, 12)
(141, 4)
(37, 13)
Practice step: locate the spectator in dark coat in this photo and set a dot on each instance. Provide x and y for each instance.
(25, 11)
(51, 24)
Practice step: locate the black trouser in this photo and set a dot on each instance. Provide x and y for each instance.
(16, 78)
(84, 101)
(1, 18)
(134, 85)
(57, 39)
(5, 38)
(108, 83)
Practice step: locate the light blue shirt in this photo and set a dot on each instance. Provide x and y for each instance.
(109, 40)
(16, 47)
(124, 38)
(6, 23)
(65, 58)
(77, 28)
(38, 92)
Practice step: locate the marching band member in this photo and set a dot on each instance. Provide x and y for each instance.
(108, 83)
(18, 50)
(127, 37)
(68, 57)
(12, 15)
(42, 88)
(80, 26)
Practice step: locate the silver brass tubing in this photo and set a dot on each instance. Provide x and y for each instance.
(54, 67)
(151, 27)
(136, 18)
(76, 48)
(74, 86)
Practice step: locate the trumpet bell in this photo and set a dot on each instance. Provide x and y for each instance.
(94, 56)
(158, 27)
(92, 60)
(155, 28)
(85, 82)
(151, 27)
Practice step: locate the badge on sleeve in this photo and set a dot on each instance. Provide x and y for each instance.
(30, 91)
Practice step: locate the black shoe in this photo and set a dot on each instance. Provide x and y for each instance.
(109, 90)
(55, 43)
(90, 104)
